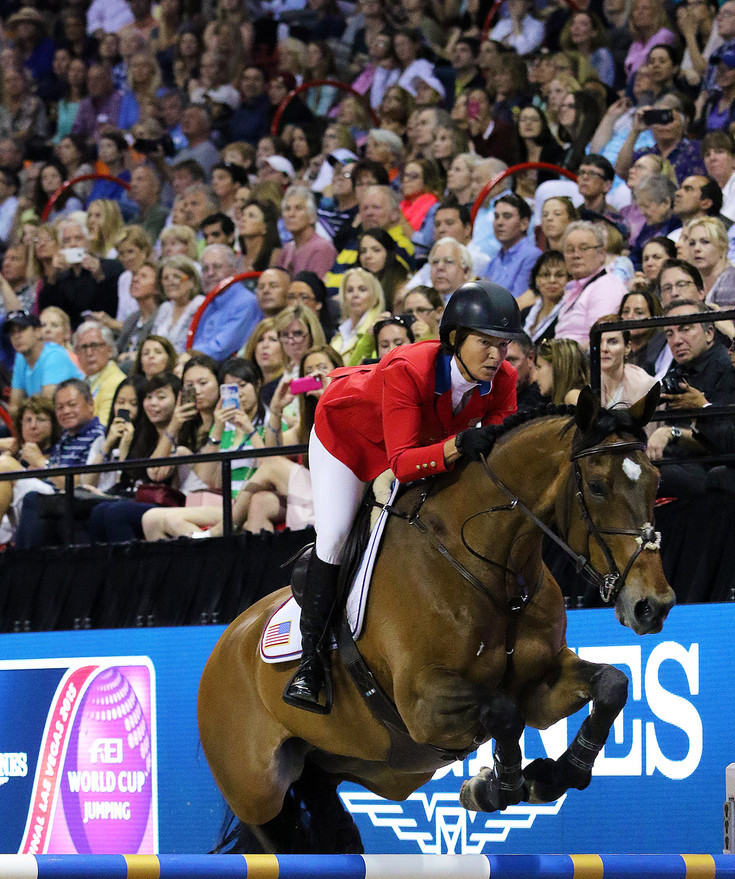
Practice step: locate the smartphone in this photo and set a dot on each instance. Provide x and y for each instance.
(188, 395)
(230, 397)
(307, 383)
(73, 255)
(658, 116)
(123, 414)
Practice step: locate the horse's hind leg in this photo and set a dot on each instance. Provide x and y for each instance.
(333, 830)
(493, 789)
(575, 682)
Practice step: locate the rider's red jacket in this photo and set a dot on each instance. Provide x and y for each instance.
(398, 413)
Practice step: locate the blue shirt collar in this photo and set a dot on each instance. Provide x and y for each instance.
(443, 381)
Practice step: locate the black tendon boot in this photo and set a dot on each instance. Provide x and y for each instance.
(320, 596)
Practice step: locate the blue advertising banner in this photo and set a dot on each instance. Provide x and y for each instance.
(99, 750)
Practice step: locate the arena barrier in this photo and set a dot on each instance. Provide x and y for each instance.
(367, 866)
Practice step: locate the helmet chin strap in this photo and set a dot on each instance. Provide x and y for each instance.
(459, 357)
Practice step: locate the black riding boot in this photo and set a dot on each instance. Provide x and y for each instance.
(317, 605)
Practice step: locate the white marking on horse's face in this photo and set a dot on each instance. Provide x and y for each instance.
(632, 470)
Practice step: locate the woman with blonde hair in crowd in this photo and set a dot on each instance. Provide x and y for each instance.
(561, 370)
(265, 350)
(134, 247)
(178, 240)
(298, 330)
(459, 178)
(56, 327)
(144, 81)
(104, 224)
(560, 87)
(649, 26)
(178, 280)
(41, 260)
(708, 248)
(361, 301)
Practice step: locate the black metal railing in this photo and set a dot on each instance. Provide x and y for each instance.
(663, 415)
(226, 459)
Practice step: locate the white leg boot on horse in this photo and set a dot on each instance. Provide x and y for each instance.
(317, 608)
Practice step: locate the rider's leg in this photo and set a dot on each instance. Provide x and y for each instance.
(337, 495)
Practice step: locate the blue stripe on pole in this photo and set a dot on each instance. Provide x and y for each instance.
(321, 867)
(82, 866)
(523, 866)
(203, 867)
(646, 867)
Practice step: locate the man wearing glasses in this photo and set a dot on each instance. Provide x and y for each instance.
(594, 179)
(230, 317)
(593, 292)
(94, 346)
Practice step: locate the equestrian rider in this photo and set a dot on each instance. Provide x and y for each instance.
(413, 412)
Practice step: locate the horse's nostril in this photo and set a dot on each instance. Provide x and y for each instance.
(643, 611)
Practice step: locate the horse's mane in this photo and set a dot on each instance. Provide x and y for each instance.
(519, 419)
(607, 422)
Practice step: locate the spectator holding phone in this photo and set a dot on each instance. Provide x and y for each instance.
(238, 423)
(125, 415)
(667, 122)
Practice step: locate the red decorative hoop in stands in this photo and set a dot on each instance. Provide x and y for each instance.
(5, 416)
(509, 172)
(80, 179)
(213, 294)
(305, 86)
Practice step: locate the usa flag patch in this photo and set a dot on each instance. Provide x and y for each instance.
(277, 634)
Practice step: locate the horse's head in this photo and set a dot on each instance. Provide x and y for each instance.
(610, 510)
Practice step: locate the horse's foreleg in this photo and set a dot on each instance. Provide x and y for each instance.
(493, 789)
(575, 683)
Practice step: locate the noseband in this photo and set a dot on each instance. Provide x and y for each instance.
(610, 584)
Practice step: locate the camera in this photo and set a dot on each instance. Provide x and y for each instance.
(671, 381)
(123, 414)
(658, 116)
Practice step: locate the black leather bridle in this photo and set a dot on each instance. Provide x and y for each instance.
(611, 583)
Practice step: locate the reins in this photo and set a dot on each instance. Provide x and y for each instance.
(609, 584)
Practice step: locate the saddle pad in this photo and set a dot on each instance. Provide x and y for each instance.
(281, 638)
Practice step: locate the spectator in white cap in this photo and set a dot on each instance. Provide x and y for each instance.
(278, 169)
(429, 90)
(407, 44)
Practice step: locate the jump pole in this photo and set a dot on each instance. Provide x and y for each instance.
(367, 866)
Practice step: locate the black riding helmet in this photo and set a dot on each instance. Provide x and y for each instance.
(482, 306)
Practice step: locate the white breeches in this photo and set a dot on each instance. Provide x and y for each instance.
(337, 496)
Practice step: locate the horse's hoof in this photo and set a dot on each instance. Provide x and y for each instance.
(483, 793)
(539, 782)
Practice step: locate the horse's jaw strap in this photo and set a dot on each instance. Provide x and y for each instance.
(610, 584)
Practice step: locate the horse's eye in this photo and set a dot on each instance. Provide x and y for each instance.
(597, 489)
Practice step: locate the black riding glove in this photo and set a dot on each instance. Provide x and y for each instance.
(474, 443)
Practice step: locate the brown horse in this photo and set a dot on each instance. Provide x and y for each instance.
(439, 635)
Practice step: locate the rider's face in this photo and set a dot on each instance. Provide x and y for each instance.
(481, 356)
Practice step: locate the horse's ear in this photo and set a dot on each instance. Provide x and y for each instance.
(588, 407)
(643, 410)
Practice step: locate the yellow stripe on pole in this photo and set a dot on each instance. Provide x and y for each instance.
(143, 866)
(587, 866)
(700, 866)
(262, 866)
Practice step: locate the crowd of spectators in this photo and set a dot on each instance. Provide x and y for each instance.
(353, 214)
